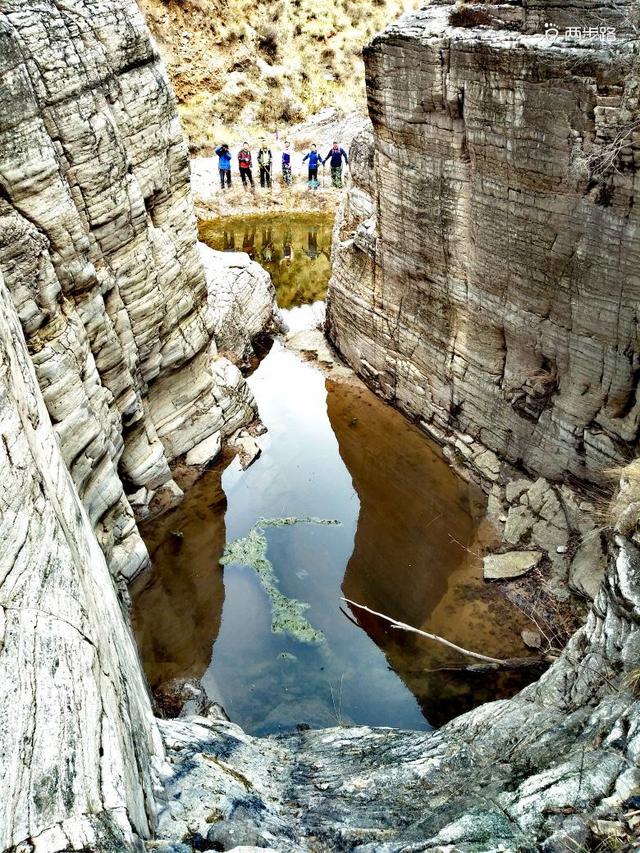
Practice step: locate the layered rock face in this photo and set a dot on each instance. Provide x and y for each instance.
(486, 279)
(98, 248)
(79, 748)
(109, 370)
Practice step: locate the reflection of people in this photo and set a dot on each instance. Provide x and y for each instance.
(229, 241)
(312, 244)
(287, 248)
(249, 241)
(267, 245)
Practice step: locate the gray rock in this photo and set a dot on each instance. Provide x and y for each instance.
(515, 489)
(532, 639)
(465, 328)
(588, 567)
(511, 565)
(247, 447)
(206, 451)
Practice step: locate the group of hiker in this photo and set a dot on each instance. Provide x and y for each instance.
(265, 165)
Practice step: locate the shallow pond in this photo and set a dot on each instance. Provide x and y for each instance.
(359, 505)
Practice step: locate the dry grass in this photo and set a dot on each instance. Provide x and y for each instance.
(263, 66)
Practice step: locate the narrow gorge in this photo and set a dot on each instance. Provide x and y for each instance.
(484, 282)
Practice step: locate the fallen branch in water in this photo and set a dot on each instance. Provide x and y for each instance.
(495, 663)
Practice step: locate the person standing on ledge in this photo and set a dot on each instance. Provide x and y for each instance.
(244, 164)
(335, 155)
(286, 165)
(264, 161)
(224, 164)
(315, 160)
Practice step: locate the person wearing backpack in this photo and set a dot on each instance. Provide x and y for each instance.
(335, 155)
(244, 165)
(264, 161)
(315, 160)
(224, 164)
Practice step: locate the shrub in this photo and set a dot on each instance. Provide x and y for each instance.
(468, 16)
(268, 41)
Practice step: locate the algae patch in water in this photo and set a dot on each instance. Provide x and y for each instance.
(287, 614)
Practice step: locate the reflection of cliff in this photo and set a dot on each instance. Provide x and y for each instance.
(177, 606)
(409, 559)
(392, 569)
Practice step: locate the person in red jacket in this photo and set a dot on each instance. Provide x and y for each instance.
(244, 164)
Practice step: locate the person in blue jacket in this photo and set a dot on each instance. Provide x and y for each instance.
(335, 155)
(224, 164)
(315, 160)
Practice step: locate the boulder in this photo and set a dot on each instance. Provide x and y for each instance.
(511, 565)
(205, 452)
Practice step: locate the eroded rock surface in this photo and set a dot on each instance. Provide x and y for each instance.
(485, 259)
(79, 748)
(98, 248)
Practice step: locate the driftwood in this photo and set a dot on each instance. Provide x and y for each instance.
(488, 663)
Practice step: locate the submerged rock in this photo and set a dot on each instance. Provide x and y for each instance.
(206, 451)
(511, 565)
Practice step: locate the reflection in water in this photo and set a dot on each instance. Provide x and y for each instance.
(295, 250)
(404, 545)
(177, 607)
(413, 558)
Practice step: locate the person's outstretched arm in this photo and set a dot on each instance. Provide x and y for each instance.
(344, 154)
(306, 157)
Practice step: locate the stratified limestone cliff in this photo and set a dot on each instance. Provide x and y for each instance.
(79, 748)
(486, 259)
(98, 248)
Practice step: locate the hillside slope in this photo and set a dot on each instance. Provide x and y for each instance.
(259, 66)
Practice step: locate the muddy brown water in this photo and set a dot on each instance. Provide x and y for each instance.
(406, 544)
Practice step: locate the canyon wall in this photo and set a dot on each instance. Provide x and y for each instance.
(79, 748)
(98, 248)
(486, 257)
(109, 370)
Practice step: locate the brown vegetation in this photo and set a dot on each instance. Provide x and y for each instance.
(257, 66)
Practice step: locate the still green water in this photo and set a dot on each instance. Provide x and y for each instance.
(296, 251)
(358, 504)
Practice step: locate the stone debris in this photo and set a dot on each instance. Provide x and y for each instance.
(246, 446)
(532, 639)
(511, 565)
(206, 451)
